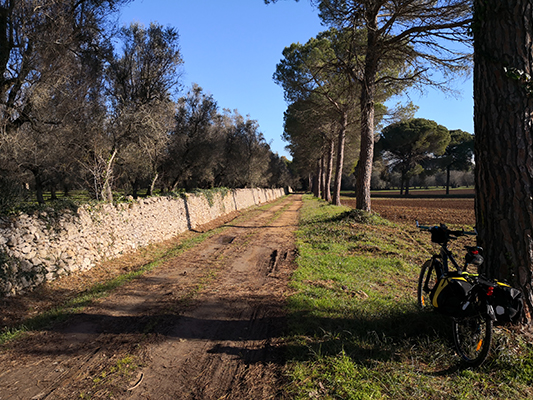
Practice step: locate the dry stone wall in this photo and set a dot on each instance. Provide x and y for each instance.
(38, 248)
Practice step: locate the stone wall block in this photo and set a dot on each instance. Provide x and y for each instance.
(43, 250)
(13, 240)
(25, 266)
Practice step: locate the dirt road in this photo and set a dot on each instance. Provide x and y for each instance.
(206, 325)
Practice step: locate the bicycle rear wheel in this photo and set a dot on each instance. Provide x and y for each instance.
(426, 282)
(472, 337)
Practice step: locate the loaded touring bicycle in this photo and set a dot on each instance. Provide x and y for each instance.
(473, 301)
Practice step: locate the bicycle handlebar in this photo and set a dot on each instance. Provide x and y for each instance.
(448, 231)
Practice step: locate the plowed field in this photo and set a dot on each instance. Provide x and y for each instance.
(427, 211)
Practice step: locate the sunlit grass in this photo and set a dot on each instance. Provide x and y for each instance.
(355, 329)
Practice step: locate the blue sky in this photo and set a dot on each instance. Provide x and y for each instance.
(231, 48)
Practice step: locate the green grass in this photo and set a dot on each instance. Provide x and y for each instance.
(355, 329)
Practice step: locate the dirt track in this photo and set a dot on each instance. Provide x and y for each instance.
(206, 325)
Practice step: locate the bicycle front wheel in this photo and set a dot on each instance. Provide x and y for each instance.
(426, 282)
(472, 337)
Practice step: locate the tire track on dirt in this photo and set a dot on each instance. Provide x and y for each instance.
(205, 325)
(224, 346)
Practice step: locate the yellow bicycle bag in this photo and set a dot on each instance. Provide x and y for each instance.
(452, 295)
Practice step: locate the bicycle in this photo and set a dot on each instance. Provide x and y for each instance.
(469, 305)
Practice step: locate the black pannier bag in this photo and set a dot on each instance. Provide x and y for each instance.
(507, 303)
(438, 234)
(452, 295)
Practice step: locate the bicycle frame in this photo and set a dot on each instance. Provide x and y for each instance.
(442, 261)
(446, 254)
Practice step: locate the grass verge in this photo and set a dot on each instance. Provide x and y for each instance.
(355, 329)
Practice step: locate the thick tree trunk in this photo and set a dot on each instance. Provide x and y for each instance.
(366, 153)
(368, 90)
(503, 117)
(341, 140)
(135, 188)
(39, 186)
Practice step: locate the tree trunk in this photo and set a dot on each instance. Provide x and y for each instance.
(135, 188)
(503, 109)
(340, 160)
(152, 184)
(107, 193)
(329, 171)
(323, 176)
(316, 188)
(39, 186)
(368, 90)
(448, 168)
(53, 192)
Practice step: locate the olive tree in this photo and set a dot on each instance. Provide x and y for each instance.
(142, 81)
(50, 69)
(196, 142)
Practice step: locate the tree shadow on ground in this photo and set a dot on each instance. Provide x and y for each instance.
(418, 336)
(262, 335)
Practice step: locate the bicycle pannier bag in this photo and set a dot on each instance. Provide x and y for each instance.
(451, 296)
(507, 303)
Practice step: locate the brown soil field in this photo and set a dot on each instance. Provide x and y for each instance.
(430, 211)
